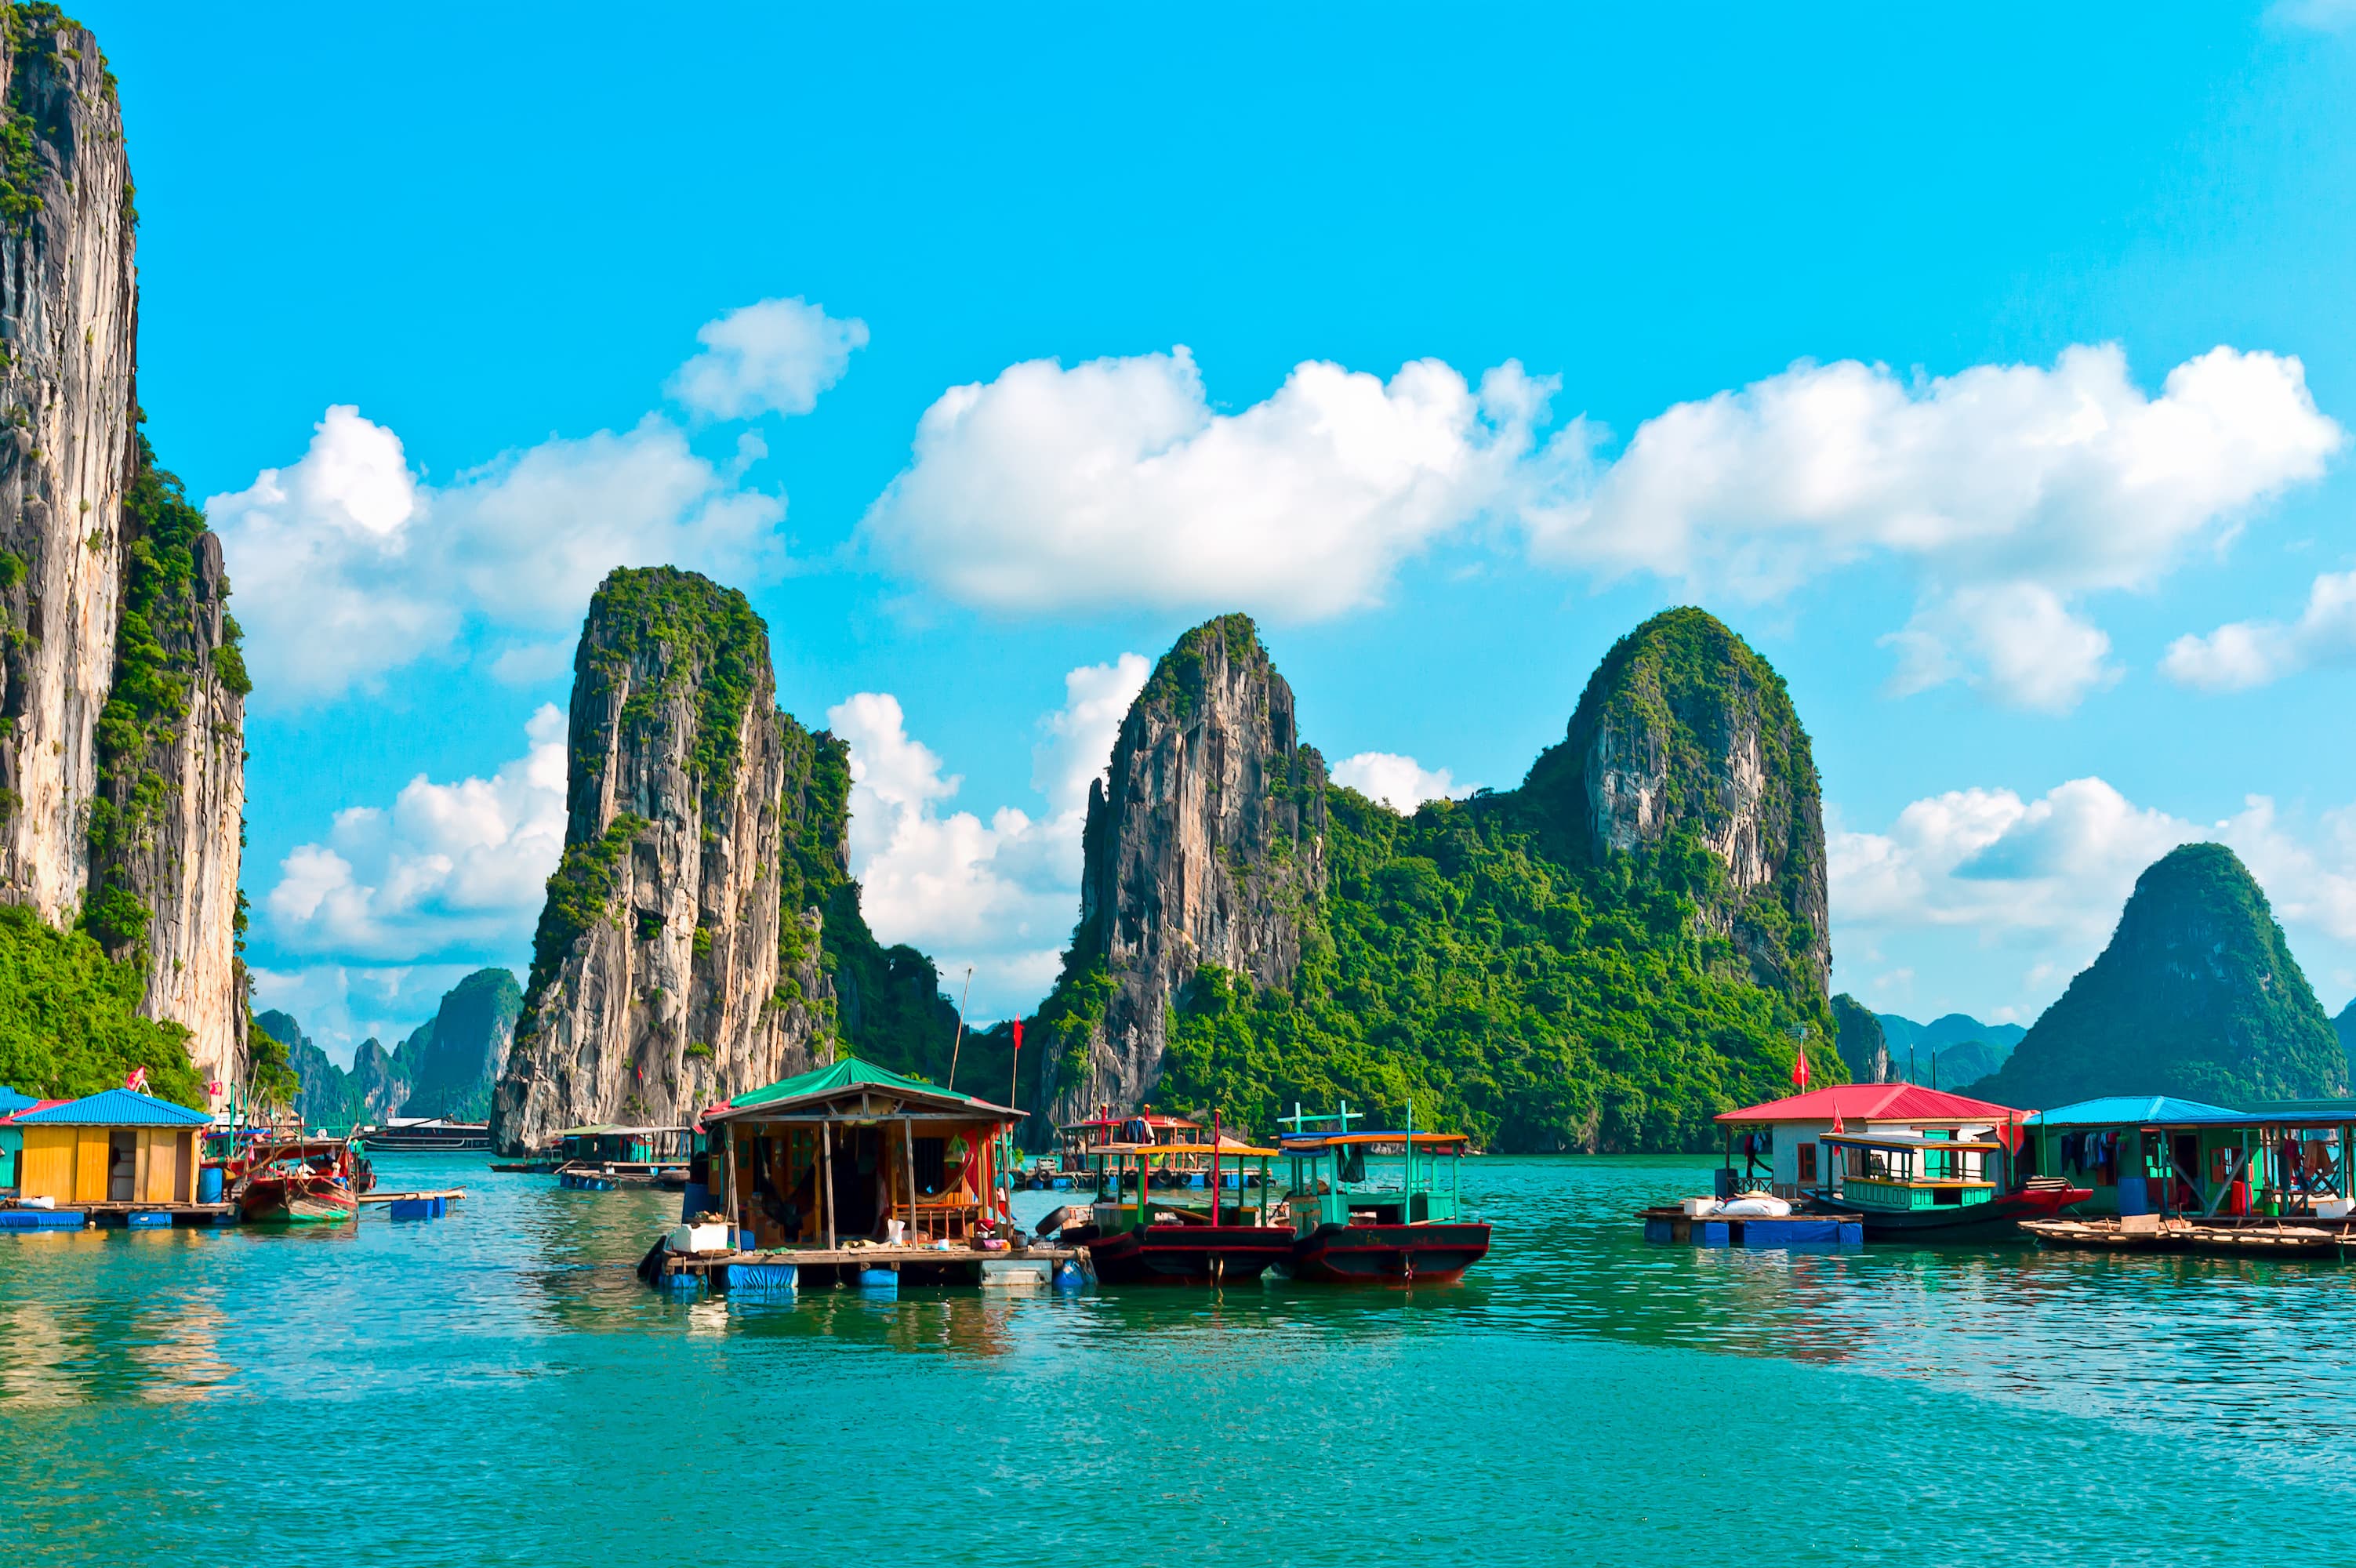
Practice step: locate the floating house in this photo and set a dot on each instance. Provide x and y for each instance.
(2150, 1154)
(843, 1152)
(115, 1148)
(1780, 1145)
(609, 1144)
(12, 1142)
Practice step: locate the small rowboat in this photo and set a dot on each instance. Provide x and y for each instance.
(2276, 1241)
(2134, 1233)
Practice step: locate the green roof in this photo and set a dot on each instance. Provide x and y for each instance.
(843, 1072)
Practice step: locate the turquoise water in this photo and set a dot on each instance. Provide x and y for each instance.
(498, 1388)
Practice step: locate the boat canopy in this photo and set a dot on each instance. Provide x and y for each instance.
(1907, 1102)
(2141, 1111)
(1310, 1142)
(1911, 1140)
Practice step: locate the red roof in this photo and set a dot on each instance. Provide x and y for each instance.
(1873, 1102)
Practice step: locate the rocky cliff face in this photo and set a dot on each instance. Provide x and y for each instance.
(121, 695)
(1203, 846)
(2196, 995)
(451, 1062)
(1864, 1048)
(665, 972)
(323, 1097)
(1686, 738)
(68, 311)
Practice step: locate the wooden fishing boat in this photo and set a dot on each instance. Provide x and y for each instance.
(1358, 1219)
(1172, 1232)
(299, 1181)
(2273, 1240)
(2128, 1233)
(1930, 1187)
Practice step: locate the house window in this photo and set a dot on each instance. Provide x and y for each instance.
(1808, 1162)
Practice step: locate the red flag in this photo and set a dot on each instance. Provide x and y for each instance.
(1014, 1072)
(137, 1082)
(1800, 1068)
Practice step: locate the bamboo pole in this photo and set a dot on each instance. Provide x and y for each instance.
(825, 1178)
(728, 1150)
(958, 1042)
(908, 1154)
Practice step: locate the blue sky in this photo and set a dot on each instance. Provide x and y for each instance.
(1969, 364)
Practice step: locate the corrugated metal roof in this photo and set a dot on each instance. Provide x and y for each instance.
(1872, 1102)
(115, 1108)
(11, 1101)
(2138, 1110)
(849, 1072)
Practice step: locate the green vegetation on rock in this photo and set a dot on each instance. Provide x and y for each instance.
(660, 616)
(1864, 1046)
(2197, 995)
(1536, 1005)
(580, 894)
(70, 1021)
(449, 1063)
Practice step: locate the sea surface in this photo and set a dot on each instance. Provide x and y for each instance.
(496, 1387)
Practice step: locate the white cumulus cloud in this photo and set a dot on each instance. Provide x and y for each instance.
(2243, 654)
(1399, 782)
(1115, 481)
(999, 895)
(2045, 878)
(774, 357)
(2010, 493)
(447, 868)
(2014, 491)
(348, 565)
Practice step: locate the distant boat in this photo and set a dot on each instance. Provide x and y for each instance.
(1357, 1219)
(427, 1134)
(301, 1181)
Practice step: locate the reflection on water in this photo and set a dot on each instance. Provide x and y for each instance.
(506, 1362)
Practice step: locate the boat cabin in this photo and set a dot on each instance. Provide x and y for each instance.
(1164, 1175)
(1778, 1146)
(853, 1150)
(1902, 1172)
(117, 1146)
(1346, 1175)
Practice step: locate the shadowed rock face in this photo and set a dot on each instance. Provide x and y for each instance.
(451, 1062)
(122, 772)
(665, 975)
(1685, 735)
(1202, 847)
(2197, 995)
(1864, 1047)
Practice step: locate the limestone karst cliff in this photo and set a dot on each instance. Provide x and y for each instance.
(1864, 1047)
(121, 694)
(667, 971)
(450, 1062)
(1601, 960)
(1203, 846)
(1685, 737)
(2197, 995)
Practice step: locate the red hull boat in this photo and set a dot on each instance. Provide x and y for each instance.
(1188, 1255)
(1390, 1254)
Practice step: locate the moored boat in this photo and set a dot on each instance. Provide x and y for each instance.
(1173, 1231)
(2130, 1234)
(1930, 1186)
(299, 1181)
(1357, 1220)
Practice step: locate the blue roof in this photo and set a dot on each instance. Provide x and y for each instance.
(11, 1101)
(2138, 1110)
(116, 1108)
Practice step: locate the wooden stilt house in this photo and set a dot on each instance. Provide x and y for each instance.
(841, 1153)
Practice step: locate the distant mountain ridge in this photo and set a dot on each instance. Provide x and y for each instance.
(1951, 1049)
(446, 1066)
(2197, 995)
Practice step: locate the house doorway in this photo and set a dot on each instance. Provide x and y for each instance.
(122, 1165)
(858, 1180)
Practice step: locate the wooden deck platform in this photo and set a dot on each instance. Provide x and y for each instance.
(828, 1265)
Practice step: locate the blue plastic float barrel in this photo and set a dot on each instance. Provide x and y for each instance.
(879, 1281)
(208, 1184)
